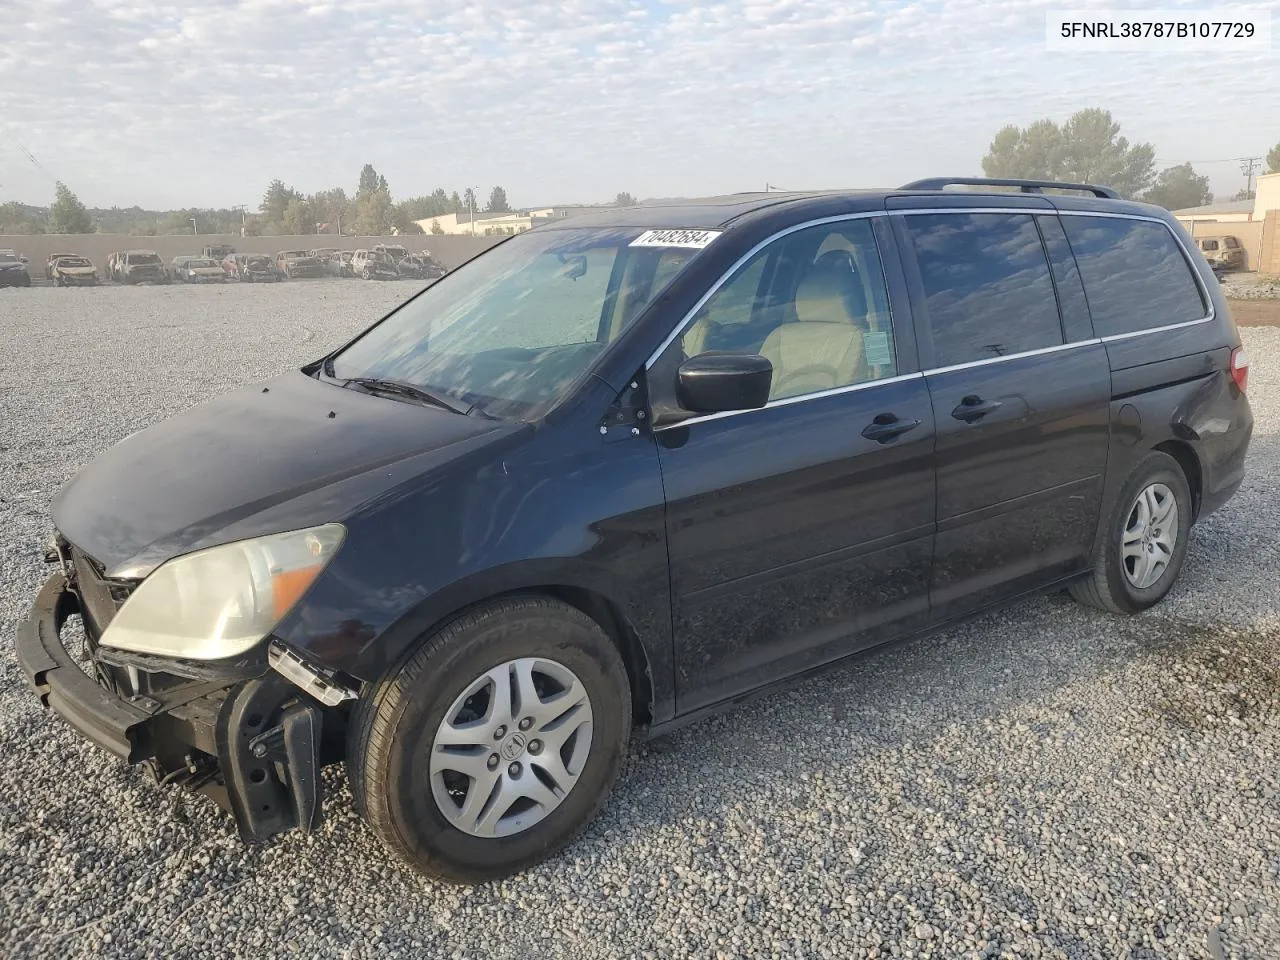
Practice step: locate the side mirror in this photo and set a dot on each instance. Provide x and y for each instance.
(716, 382)
(24, 259)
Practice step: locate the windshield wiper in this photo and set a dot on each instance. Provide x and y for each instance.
(402, 389)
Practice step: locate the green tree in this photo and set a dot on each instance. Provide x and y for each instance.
(19, 218)
(1243, 194)
(368, 181)
(1087, 148)
(1273, 159)
(456, 203)
(1179, 187)
(68, 214)
(624, 199)
(298, 218)
(274, 203)
(331, 207)
(498, 201)
(436, 229)
(375, 214)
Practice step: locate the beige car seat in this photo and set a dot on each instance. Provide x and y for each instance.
(823, 348)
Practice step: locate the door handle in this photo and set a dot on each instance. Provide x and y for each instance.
(887, 427)
(974, 408)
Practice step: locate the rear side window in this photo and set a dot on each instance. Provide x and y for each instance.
(987, 287)
(1208, 244)
(1135, 276)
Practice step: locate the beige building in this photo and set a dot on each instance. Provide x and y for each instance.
(497, 224)
(1255, 223)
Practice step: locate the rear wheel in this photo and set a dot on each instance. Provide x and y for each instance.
(1145, 542)
(496, 743)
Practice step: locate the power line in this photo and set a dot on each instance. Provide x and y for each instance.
(30, 156)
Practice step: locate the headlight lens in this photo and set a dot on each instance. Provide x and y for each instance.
(222, 601)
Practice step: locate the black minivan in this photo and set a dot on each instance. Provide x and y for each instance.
(626, 469)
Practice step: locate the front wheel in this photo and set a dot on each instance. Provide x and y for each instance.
(496, 743)
(1144, 543)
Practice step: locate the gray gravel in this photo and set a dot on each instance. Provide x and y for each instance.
(1042, 782)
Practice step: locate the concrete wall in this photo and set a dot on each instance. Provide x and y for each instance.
(1269, 260)
(1267, 195)
(451, 251)
(1249, 234)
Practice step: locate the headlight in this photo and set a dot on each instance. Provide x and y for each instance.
(222, 601)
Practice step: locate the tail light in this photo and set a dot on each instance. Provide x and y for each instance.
(1240, 368)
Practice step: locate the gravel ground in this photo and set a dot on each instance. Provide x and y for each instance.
(1251, 286)
(1042, 782)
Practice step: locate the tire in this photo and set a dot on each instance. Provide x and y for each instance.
(392, 743)
(1116, 584)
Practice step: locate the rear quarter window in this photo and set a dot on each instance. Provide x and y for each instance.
(1135, 275)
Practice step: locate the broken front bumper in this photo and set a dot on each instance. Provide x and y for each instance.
(250, 743)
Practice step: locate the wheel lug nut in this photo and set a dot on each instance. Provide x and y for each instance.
(499, 733)
(526, 723)
(514, 770)
(493, 760)
(535, 746)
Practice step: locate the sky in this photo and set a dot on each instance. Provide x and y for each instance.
(176, 103)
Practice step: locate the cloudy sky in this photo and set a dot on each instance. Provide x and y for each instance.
(200, 102)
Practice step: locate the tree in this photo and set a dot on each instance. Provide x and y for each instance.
(1243, 194)
(498, 201)
(330, 206)
(299, 218)
(68, 215)
(456, 202)
(274, 203)
(624, 199)
(375, 214)
(468, 201)
(1087, 148)
(1179, 187)
(436, 229)
(368, 181)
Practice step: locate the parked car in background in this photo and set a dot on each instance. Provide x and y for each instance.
(324, 253)
(200, 270)
(1223, 252)
(408, 269)
(51, 260)
(395, 251)
(136, 266)
(251, 268)
(429, 267)
(13, 269)
(218, 251)
(373, 265)
(71, 270)
(298, 263)
(177, 263)
(339, 264)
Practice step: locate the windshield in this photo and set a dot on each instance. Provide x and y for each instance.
(515, 328)
(72, 262)
(259, 262)
(143, 258)
(200, 263)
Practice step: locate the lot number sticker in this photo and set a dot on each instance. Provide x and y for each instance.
(876, 346)
(694, 239)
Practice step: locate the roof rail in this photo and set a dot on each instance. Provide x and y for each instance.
(1024, 186)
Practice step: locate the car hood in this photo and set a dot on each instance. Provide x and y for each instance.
(206, 271)
(76, 271)
(287, 453)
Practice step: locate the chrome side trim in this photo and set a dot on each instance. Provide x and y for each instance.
(786, 401)
(1012, 356)
(794, 228)
(1170, 326)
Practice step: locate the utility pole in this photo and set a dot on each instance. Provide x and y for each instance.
(471, 204)
(194, 231)
(1247, 166)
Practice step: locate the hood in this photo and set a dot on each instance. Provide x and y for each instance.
(207, 271)
(76, 271)
(145, 266)
(287, 453)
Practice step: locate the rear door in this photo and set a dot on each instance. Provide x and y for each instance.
(1020, 402)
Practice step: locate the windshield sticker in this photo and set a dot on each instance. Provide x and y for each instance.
(695, 239)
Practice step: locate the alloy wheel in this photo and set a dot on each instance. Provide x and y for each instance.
(510, 747)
